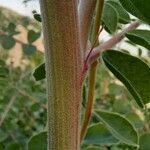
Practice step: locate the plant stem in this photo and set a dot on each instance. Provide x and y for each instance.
(111, 42)
(86, 9)
(63, 73)
(92, 58)
(90, 99)
(97, 19)
(95, 32)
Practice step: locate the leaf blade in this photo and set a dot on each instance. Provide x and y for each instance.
(110, 17)
(39, 72)
(98, 134)
(115, 123)
(140, 37)
(123, 15)
(126, 68)
(138, 8)
(28, 49)
(38, 141)
(33, 36)
(7, 42)
(144, 141)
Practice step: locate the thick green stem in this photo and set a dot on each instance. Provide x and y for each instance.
(63, 73)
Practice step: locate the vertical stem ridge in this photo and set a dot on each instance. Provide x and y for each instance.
(86, 9)
(97, 19)
(63, 72)
(90, 99)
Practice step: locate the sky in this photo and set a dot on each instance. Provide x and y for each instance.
(21, 8)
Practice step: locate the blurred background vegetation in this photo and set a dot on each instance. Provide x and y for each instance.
(23, 100)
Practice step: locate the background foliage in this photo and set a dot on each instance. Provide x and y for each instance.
(22, 100)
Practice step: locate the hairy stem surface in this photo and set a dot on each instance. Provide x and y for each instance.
(63, 73)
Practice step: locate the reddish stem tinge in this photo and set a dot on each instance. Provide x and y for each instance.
(95, 53)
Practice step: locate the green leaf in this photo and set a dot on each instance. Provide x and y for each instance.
(35, 107)
(110, 17)
(4, 72)
(2, 62)
(3, 82)
(98, 134)
(123, 15)
(140, 37)
(2, 146)
(38, 142)
(37, 17)
(93, 148)
(124, 106)
(119, 126)
(11, 27)
(39, 72)
(7, 42)
(13, 146)
(3, 136)
(118, 148)
(145, 141)
(132, 72)
(33, 36)
(28, 49)
(135, 119)
(138, 8)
